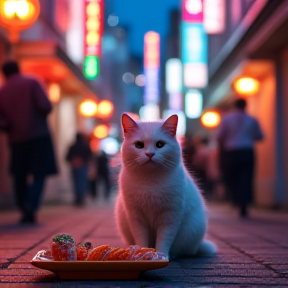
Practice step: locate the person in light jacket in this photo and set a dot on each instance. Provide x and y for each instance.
(236, 136)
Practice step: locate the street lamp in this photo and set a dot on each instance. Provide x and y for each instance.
(246, 86)
(17, 15)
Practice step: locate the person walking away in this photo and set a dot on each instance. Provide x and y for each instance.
(236, 135)
(79, 155)
(24, 107)
(102, 174)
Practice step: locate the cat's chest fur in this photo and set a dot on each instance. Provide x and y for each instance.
(153, 194)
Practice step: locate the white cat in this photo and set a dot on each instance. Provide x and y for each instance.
(158, 204)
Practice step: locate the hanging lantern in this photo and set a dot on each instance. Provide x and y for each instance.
(210, 119)
(246, 86)
(17, 15)
(88, 108)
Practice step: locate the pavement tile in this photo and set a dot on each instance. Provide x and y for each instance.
(21, 266)
(231, 272)
(26, 272)
(10, 253)
(237, 280)
(247, 256)
(28, 279)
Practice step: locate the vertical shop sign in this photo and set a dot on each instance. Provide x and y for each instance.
(93, 32)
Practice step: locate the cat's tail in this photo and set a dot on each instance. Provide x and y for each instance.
(207, 248)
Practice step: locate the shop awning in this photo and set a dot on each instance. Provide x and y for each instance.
(49, 62)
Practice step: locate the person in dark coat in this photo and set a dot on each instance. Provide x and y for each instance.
(79, 156)
(24, 107)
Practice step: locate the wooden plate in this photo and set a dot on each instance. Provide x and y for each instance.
(99, 270)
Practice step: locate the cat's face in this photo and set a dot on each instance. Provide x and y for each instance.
(149, 146)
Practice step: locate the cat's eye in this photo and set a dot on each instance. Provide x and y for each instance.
(160, 144)
(139, 144)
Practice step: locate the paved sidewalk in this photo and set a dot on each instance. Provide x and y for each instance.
(253, 252)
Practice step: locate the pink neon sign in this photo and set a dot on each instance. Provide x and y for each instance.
(151, 50)
(93, 26)
(192, 11)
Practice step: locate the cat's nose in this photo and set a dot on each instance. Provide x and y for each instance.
(150, 155)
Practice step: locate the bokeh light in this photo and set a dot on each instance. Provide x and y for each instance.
(88, 108)
(128, 78)
(246, 86)
(210, 119)
(101, 131)
(54, 92)
(113, 20)
(109, 145)
(193, 6)
(105, 109)
(140, 80)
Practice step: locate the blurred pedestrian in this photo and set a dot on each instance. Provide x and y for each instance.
(236, 136)
(102, 174)
(200, 164)
(188, 152)
(79, 156)
(24, 107)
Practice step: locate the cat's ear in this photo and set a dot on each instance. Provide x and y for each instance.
(128, 123)
(170, 125)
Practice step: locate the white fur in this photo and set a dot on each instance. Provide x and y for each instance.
(158, 204)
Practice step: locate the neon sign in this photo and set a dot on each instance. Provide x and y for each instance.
(93, 31)
(194, 45)
(151, 67)
(214, 16)
(151, 50)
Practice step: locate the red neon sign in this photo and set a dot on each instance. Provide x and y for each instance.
(93, 26)
(151, 50)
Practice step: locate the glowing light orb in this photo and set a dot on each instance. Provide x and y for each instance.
(88, 108)
(210, 119)
(246, 86)
(105, 109)
(101, 131)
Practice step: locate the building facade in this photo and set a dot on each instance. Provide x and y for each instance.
(255, 44)
(51, 50)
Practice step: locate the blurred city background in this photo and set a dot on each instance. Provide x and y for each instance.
(100, 58)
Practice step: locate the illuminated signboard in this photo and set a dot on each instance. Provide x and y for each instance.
(175, 101)
(151, 50)
(91, 66)
(151, 67)
(214, 16)
(93, 31)
(192, 11)
(173, 71)
(194, 45)
(194, 49)
(193, 104)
